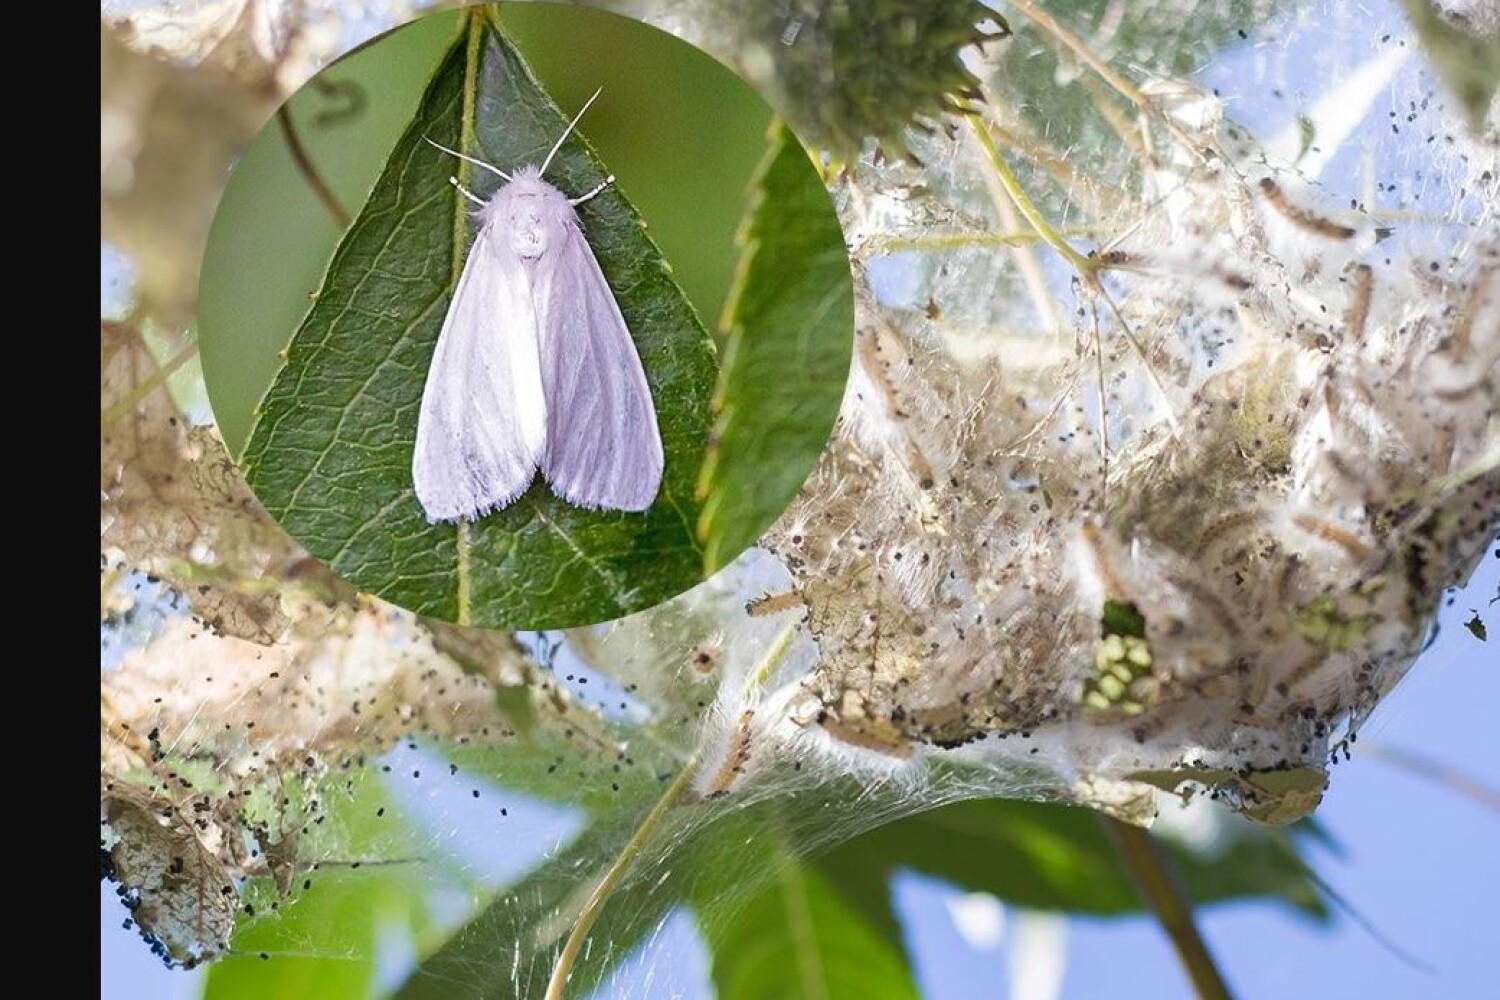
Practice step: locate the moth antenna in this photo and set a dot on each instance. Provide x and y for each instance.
(469, 159)
(575, 202)
(466, 192)
(568, 131)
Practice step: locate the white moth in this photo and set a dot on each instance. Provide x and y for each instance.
(534, 366)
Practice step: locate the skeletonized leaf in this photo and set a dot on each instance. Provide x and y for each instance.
(174, 505)
(351, 680)
(179, 893)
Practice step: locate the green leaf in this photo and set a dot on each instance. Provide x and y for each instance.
(338, 917)
(325, 940)
(272, 237)
(1053, 857)
(1467, 62)
(772, 921)
(330, 452)
(508, 949)
(781, 926)
(801, 937)
(1124, 619)
(1054, 102)
(789, 325)
(575, 769)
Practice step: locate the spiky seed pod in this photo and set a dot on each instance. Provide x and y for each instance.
(843, 71)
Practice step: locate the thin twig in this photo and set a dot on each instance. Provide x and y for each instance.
(1151, 871)
(1025, 256)
(148, 385)
(1050, 26)
(1099, 200)
(611, 880)
(1284, 845)
(1446, 775)
(1098, 338)
(309, 172)
(1013, 187)
(1079, 48)
(1115, 117)
(1140, 351)
(882, 244)
(617, 871)
(351, 93)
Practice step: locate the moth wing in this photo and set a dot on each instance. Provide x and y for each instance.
(483, 421)
(603, 447)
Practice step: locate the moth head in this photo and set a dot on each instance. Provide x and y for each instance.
(531, 213)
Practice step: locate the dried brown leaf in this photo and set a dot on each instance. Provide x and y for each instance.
(174, 505)
(349, 680)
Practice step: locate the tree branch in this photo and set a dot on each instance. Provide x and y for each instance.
(1154, 878)
(309, 172)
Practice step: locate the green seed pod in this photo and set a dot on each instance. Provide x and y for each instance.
(846, 70)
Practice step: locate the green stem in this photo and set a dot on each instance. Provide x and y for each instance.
(1023, 202)
(309, 172)
(147, 386)
(617, 871)
(757, 677)
(1151, 871)
(955, 241)
(611, 880)
(1076, 45)
(1446, 775)
(474, 25)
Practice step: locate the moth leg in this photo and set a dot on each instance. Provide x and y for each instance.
(575, 202)
(466, 192)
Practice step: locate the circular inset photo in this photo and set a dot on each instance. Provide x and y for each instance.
(526, 316)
